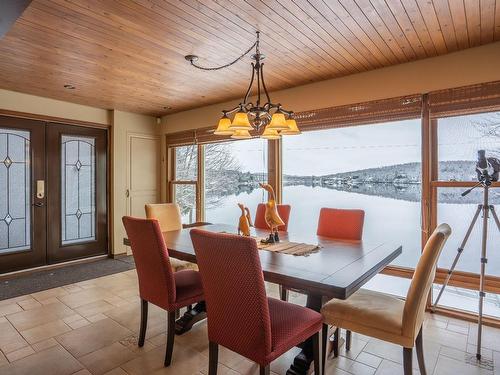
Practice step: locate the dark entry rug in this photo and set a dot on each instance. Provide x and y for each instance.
(47, 279)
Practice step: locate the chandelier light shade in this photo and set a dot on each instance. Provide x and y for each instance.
(265, 119)
(241, 134)
(223, 127)
(293, 129)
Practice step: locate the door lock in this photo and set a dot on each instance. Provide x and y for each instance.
(40, 189)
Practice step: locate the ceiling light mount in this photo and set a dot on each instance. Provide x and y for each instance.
(268, 119)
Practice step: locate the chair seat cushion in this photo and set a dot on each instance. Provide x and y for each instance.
(370, 313)
(180, 265)
(188, 288)
(290, 325)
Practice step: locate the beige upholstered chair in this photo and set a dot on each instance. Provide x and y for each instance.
(169, 217)
(389, 318)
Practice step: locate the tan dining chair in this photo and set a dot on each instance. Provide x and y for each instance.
(389, 318)
(169, 217)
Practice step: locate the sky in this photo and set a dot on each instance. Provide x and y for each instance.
(360, 147)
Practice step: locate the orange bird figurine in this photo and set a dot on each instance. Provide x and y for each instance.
(249, 217)
(271, 216)
(243, 225)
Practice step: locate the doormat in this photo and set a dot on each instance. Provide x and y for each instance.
(48, 279)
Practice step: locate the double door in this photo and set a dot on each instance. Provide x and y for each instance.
(53, 188)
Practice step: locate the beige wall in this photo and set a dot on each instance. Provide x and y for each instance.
(461, 68)
(15, 101)
(120, 124)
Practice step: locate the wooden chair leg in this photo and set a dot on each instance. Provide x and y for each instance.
(407, 360)
(336, 340)
(420, 352)
(170, 337)
(324, 339)
(265, 370)
(283, 293)
(348, 335)
(316, 355)
(144, 322)
(213, 358)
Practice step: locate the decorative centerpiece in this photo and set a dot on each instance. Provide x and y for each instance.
(271, 216)
(245, 221)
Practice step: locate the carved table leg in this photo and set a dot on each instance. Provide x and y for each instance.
(190, 317)
(302, 361)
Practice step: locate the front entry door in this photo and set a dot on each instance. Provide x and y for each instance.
(53, 204)
(22, 208)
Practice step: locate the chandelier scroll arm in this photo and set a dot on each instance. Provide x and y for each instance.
(250, 85)
(264, 83)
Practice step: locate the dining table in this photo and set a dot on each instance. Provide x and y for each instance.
(336, 270)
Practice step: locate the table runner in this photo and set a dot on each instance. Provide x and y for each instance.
(292, 248)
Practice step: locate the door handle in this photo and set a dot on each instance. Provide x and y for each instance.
(127, 193)
(38, 204)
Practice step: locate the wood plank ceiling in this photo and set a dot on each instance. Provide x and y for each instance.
(129, 54)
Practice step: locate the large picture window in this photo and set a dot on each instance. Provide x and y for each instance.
(376, 168)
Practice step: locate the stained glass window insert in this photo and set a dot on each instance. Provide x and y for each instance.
(77, 189)
(15, 192)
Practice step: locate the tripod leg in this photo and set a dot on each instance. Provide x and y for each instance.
(459, 252)
(494, 214)
(484, 260)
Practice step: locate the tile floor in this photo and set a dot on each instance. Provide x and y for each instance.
(91, 328)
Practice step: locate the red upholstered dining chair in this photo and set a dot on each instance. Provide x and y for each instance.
(341, 224)
(260, 222)
(283, 211)
(240, 316)
(158, 284)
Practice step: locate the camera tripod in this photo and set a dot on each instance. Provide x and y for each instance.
(485, 182)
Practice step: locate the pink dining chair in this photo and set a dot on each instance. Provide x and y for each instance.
(341, 224)
(240, 316)
(283, 211)
(158, 284)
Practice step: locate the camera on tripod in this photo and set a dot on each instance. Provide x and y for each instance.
(487, 168)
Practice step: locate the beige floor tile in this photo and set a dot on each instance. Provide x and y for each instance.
(10, 339)
(84, 297)
(107, 358)
(92, 337)
(53, 361)
(20, 353)
(42, 345)
(29, 304)
(45, 331)
(221, 370)
(49, 293)
(9, 309)
(131, 343)
(14, 299)
(72, 318)
(392, 368)
(78, 323)
(94, 308)
(358, 368)
(184, 361)
(116, 371)
(369, 359)
(96, 317)
(83, 372)
(450, 366)
(45, 314)
(490, 337)
(3, 360)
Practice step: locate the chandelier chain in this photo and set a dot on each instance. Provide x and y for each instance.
(225, 65)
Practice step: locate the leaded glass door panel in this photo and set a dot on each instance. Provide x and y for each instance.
(77, 181)
(22, 205)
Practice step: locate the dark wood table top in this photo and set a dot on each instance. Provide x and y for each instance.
(336, 271)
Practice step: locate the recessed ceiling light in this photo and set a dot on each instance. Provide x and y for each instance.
(69, 87)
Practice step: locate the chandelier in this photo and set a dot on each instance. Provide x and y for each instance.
(269, 120)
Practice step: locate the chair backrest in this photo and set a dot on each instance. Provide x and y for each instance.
(235, 294)
(283, 211)
(156, 278)
(167, 214)
(416, 299)
(341, 224)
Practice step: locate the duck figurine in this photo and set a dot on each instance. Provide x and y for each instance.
(243, 224)
(271, 216)
(249, 217)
